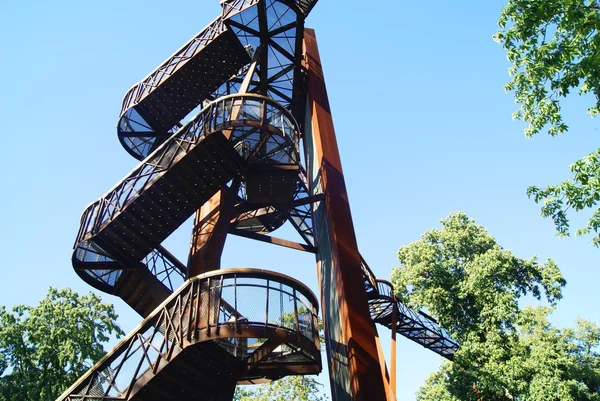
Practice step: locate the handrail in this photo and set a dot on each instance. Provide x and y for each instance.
(213, 118)
(415, 325)
(187, 318)
(187, 51)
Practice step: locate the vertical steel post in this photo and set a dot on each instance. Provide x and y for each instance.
(355, 366)
(211, 225)
(393, 348)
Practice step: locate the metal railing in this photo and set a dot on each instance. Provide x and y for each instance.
(138, 91)
(258, 121)
(415, 325)
(97, 267)
(241, 310)
(232, 7)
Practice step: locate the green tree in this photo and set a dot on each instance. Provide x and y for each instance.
(45, 348)
(462, 276)
(554, 48)
(297, 388)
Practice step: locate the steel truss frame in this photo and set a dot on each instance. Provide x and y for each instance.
(253, 111)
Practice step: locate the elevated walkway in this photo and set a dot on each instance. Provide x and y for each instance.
(414, 325)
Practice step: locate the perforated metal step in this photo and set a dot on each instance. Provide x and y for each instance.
(152, 108)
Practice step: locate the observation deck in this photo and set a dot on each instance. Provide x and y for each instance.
(228, 327)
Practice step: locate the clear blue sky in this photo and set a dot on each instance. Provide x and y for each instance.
(423, 123)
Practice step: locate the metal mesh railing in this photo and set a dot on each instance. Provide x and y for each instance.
(166, 69)
(415, 325)
(166, 268)
(232, 7)
(96, 263)
(252, 119)
(424, 329)
(210, 307)
(301, 216)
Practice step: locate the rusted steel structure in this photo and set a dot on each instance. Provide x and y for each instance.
(235, 127)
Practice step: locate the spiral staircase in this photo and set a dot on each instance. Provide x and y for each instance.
(221, 113)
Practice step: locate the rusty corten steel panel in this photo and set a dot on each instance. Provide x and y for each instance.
(211, 224)
(355, 366)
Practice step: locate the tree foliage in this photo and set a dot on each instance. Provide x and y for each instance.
(554, 48)
(45, 348)
(298, 388)
(461, 275)
(579, 193)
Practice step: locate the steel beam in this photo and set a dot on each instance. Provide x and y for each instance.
(211, 225)
(273, 240)
(355, 367)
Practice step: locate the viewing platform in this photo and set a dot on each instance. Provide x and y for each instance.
(228, 327)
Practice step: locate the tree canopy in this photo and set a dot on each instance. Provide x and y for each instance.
(45, 348)
(554, 48)
(300, 388)
(475, 288)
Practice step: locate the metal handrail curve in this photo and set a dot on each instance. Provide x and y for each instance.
(215, 117)
(260, 318)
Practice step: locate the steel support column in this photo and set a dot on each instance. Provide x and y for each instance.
(355, 366)
(211, 225)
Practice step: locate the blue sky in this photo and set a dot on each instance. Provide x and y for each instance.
(423, 124)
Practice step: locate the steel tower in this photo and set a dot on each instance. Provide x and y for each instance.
(236, 127)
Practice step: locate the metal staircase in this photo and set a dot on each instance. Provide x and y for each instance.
(224, 111)
(131, 220)
(153, 108)
(219, 329)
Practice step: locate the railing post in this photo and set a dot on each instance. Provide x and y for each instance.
(296, 314)
(190, 305)
(198, 309)
(393, 347)
(208, 308)
(218, 291)
(237, 321)
(267, 307)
